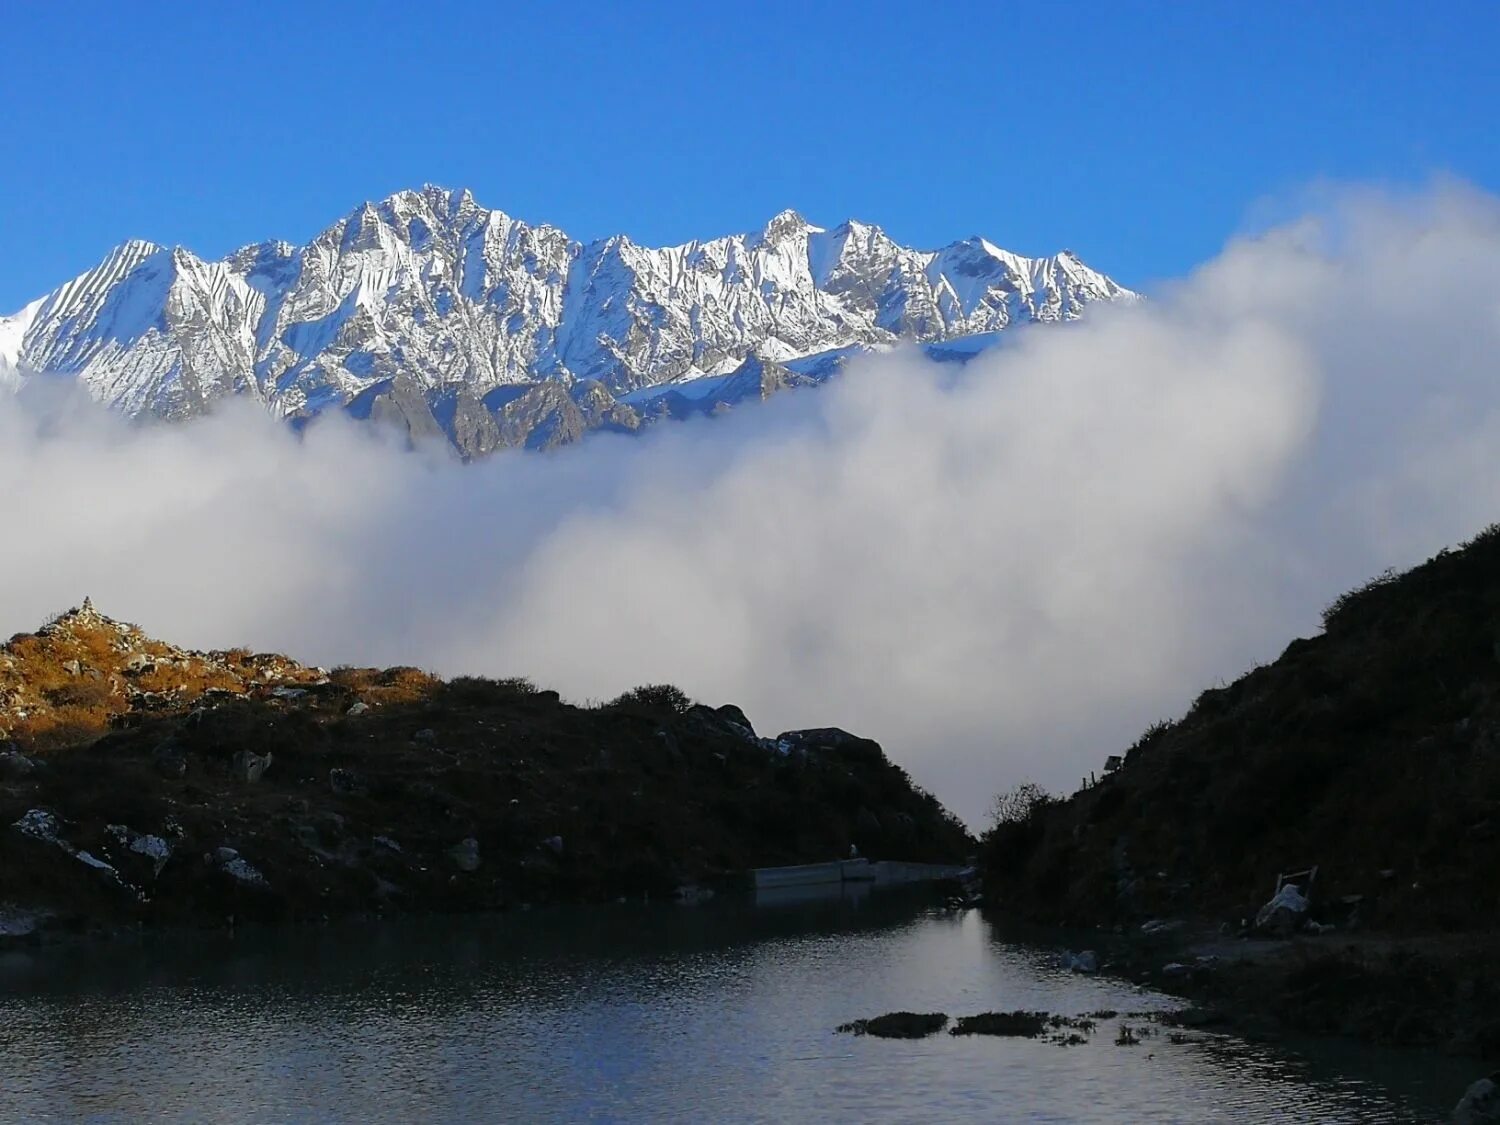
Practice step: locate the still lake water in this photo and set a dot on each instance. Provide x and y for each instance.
(716, 1013)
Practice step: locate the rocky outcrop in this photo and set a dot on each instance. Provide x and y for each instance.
(1480, 1104)
(83, 671)
(236, 786)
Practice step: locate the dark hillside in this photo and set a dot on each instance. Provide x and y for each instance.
(147, 784)
(1371, 751)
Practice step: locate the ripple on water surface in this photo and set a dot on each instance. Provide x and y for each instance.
(722, 1013)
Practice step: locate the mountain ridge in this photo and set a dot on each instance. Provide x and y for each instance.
(425, 295)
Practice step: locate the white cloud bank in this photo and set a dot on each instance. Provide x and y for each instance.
(1002, 573)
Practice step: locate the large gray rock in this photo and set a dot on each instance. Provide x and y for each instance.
(830, 740)
(1480, 1104)
(1284, 914)
(249, 767)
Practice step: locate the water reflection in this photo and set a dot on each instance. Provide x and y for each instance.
(631, 1013)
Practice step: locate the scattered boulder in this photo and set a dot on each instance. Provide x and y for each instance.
(358, 707)
(239, 868)
(555, 843)
(1480, 1104)
(1284, 914)
(154, 848)
(289, 693)
(426, 736)
(1160, 926)
(465, 854)
(14, 765)
(1085, 962)
(250, 767)
(39, 824)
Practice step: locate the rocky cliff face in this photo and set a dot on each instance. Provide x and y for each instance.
(432, 312)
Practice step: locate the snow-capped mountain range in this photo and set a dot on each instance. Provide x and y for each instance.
(431, 311)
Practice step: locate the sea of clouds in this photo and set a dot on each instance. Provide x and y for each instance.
(1003, 572)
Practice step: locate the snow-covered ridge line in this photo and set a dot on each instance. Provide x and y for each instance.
(431, 310)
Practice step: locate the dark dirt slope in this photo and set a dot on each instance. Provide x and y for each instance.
(137, 789)
(1372, 750)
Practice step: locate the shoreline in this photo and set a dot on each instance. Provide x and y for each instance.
(1425, 992)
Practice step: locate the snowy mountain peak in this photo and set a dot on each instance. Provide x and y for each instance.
(786, 224)
(457, 319)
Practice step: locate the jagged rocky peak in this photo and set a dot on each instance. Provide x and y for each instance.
(389, 310)
(787, 224)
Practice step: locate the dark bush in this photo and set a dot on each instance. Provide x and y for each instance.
(655, 697)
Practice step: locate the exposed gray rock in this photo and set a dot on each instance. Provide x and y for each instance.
(1086, 962)
(250, 767)
(1160, 926)
(465, 854)
(154, 848)
(358, 707)
(39, 824)
(1480, 1104)
(1284, 914)
(14, 765)
(239, 868)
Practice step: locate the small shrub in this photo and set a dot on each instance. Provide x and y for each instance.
(1341, 606)
(84, 691)
(480, 689)
(655, 697)
(1017, 805)
(1020, 1025)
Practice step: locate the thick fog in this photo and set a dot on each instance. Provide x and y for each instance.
(1003, 572)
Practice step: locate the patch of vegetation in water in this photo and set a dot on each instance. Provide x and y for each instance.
(1023, 1025)
(898, 1025)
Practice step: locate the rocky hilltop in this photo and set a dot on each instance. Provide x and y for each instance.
(452, 320)
(143, 784)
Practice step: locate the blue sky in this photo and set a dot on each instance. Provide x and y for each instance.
(1139, 135)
